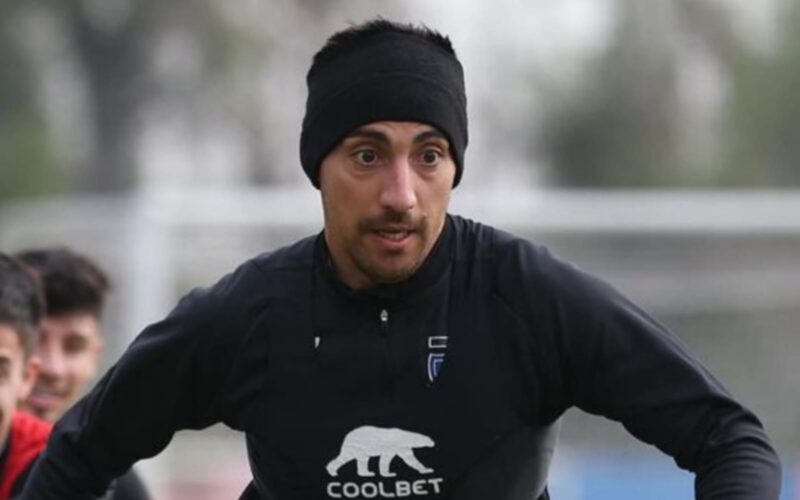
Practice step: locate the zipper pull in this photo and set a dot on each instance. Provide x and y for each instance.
(384, 321)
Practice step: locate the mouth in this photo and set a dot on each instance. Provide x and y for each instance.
(393, 238)
(46, 398)
(394, 234)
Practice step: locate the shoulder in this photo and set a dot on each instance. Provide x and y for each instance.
(522, 272)
(475, 242)
(256, 281)
(28, 437)
(478, 241)
(506, 253)
(297, 256)
(30, 429)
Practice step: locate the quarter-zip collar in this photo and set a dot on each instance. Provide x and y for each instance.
(415, 288)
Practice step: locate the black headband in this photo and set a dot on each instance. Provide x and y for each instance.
(396, 77)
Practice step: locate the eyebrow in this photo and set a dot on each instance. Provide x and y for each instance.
(429, 134)
(365, 133)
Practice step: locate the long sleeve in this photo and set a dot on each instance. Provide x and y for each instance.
(606, 356)
(173, 376)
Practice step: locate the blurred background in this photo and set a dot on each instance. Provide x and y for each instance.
(655, 143)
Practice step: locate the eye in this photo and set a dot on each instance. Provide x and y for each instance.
(431, 156)
(75, 344)
(366, 156)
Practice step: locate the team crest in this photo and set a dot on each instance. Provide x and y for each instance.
(437, 345)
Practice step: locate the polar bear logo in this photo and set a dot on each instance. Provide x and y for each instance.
(365, 442)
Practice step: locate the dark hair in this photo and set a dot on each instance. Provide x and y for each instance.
(71, 282)
(21, 302)
(359, 34)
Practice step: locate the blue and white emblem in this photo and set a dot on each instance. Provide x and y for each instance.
(437, 345)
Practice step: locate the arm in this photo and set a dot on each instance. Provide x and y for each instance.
(612, 359)
(130, 487)
(171, 377)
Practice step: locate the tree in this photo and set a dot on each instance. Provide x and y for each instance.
(629, 124)
(25, 158)
(762, 139)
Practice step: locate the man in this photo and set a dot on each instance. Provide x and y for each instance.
(71, 341)
(22, 436)
(402, 352)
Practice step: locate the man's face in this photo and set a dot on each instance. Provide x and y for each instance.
(385, 191)
(69, 350)
(16, 377)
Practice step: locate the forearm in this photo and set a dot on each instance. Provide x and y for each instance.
(170, 378)
(94, 442)
(62, 474)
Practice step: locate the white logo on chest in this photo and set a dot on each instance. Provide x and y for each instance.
(367, 442)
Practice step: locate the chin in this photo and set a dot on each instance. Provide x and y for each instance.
(391, 279)
(43, 413)
(390, 276)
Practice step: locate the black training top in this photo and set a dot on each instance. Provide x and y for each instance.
(442, 386)
(129, 486)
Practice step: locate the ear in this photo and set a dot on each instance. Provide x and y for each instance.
(29, 373)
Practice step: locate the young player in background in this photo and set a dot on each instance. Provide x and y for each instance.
(22, 436)
(71, 342)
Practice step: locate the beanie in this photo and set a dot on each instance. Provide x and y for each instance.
(395, 77)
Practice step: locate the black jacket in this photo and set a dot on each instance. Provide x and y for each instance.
(442, 386)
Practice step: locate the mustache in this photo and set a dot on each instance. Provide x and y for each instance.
(393, 220)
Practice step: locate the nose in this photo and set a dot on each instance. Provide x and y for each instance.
(398, 191)
(53, 362)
